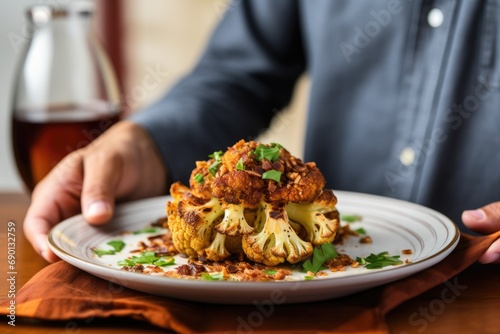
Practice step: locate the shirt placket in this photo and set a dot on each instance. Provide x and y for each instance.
(425, 55)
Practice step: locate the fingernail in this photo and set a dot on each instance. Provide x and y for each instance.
(98, 208)
(478, 215)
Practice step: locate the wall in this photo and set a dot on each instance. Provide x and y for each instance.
(162, 35)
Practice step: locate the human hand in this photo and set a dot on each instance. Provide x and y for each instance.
(122, 164)
(485, 220)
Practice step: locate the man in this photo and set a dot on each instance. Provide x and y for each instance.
(404, 103)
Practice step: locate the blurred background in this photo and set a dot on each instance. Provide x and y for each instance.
(141, 37)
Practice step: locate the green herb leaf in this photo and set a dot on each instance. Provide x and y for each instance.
(308, 278)
(216, 155)
(148, 229)
(271, 153)
(380, 260)
(360, 230)
(214, 167)
(211, 277)
(164, 261)
(126, 262)
(269, 271)
(320, 255)
(351, 218)
(272, 175)
(145, 258)
(101, 252)
(240, 165)
(198, 178)
(276, 145)
(118, 245)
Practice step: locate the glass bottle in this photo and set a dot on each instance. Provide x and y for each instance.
(66, 93)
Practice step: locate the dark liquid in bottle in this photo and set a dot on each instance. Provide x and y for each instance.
(39, 146)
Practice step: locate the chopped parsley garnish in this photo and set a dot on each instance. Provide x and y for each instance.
(380, 260)
(216, 155)
(320, 255)
(351, 218)
(214, 167)
(240, 165)
(101, 252)
(126, 262)
(198, 178)
(271, 153)
(147, 258)
(148, 229)
(211, 277)
(117, 245)
(360, 230)
(308, 278)
(270, 271)
(165, 261)
(272, 175)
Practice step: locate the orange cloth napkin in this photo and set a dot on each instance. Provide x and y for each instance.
(62, 292)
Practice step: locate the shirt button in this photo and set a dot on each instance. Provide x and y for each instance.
(407, 156)
(435, 17)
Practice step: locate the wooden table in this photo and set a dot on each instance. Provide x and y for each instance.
(469, 303)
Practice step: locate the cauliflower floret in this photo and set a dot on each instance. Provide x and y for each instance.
(242, 152)
(217, 250)
(277, 241)
(201, 179)
(239, 187)
(253, 198)
(301, 182)
(191, 221)
(178, 190)
(319, 218)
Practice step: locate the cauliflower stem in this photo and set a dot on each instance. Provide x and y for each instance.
(277, 241)
(234, 222)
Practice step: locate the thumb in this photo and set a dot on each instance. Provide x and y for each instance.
(484, 220)
(102, 173)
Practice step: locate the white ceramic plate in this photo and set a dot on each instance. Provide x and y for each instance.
(393, 225)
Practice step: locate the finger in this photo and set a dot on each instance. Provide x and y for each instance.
(484, 220)
(102, 171)
(52, 200)
(36, 231)
(492, 255)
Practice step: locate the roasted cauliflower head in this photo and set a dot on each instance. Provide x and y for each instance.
(255, 199)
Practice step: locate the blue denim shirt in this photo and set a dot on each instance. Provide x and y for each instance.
(404, 98)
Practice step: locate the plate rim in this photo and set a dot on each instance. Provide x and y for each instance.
(412, 267)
